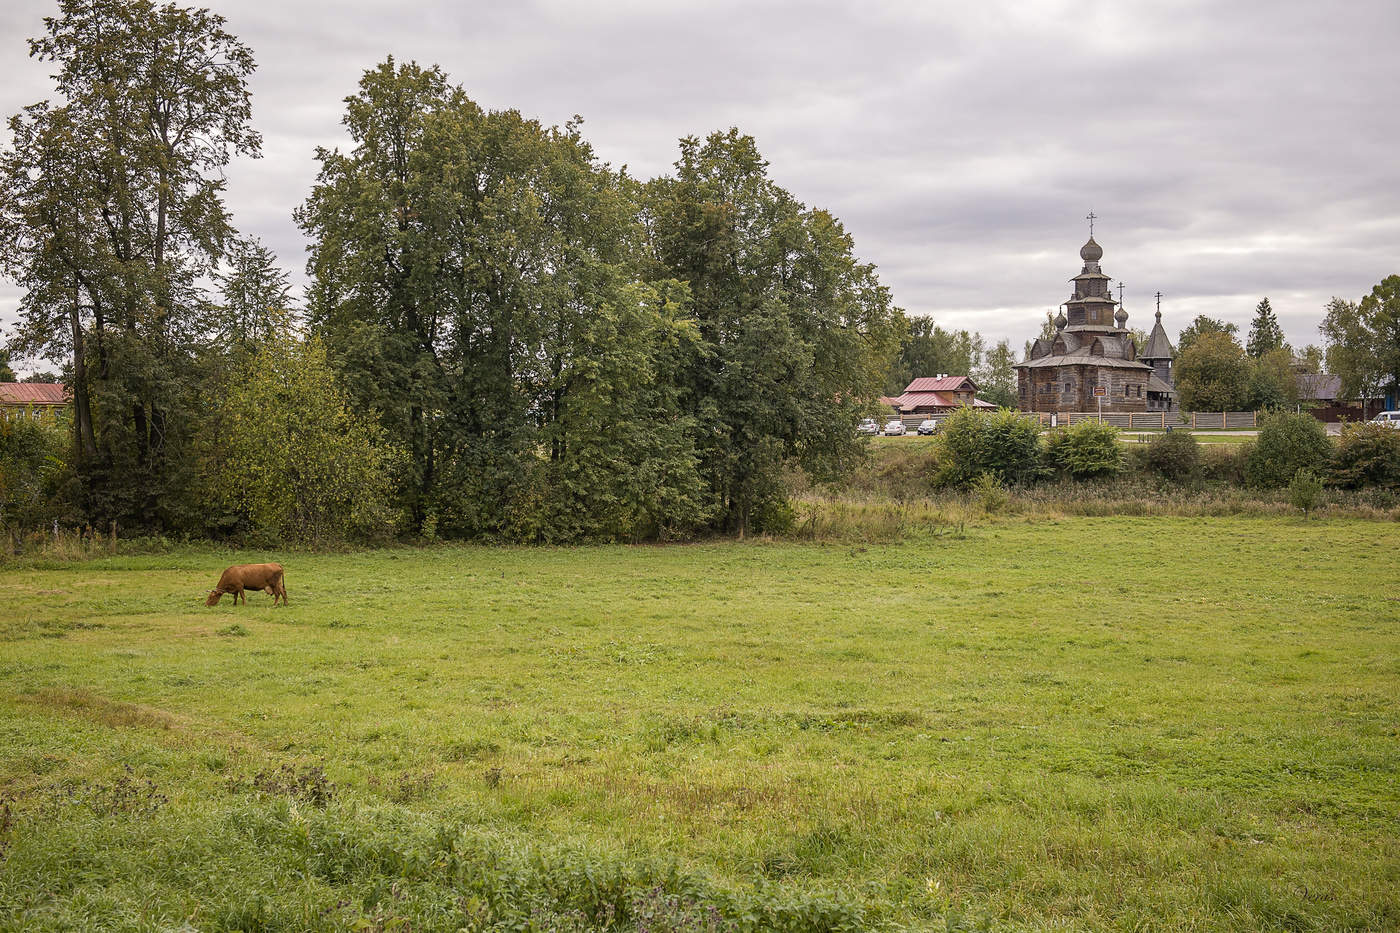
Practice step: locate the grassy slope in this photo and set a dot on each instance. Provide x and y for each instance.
(1099, 722)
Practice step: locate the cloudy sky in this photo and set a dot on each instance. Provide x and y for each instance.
(1230, 150)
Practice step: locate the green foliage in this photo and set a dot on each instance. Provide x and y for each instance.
(795, 333)
(996, 379)
(1265, 335)
(1213, 373)
(1272, 381)
(987, 488)
(1198, 328)
(1288, 442)
(1305, 491)
(476, 281)
(33, 468)
(284, 459)
(1002, 443)
(1366, 455)
(1175, 455)
(256, 295)
(1351, 350)
(1381, 309)
(925, 349)
(6, 373)
(111, 216)
(1225, 463)
(1084, 450)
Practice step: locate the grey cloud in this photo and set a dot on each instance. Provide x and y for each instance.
(1232, 150)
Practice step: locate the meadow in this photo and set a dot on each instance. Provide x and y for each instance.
(1088, 723)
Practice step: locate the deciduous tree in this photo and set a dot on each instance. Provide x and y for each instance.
(1213, 373)
(1352, 354)
(796, 334)
(111, 212)
(1200, 326)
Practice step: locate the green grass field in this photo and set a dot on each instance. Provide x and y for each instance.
(1087, 724)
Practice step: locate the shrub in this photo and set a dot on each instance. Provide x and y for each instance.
(1367, 455)
(1305, 490)
(990, 492)
(1287, 443)
(1003, 442)
(1224, 463)
(1175, 455)
(284, 457)
(32, 472)
(1085, 450)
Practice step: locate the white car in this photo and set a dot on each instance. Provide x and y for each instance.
(894, 429)
(868, 427)
(1390, 419)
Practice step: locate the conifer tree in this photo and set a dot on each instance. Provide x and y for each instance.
(1265, 335)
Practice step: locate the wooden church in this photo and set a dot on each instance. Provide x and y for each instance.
(1092, 362)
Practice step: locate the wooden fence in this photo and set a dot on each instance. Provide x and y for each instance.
(1160, 420)
(1129, 420)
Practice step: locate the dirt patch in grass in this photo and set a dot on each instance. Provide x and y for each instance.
(113, 713)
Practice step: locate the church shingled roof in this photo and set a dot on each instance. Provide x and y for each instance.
(1159, 345)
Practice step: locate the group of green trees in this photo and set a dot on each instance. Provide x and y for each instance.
(926, 349)
(1214, 372)
(504, 337)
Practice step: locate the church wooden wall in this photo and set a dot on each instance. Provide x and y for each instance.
(1043, 389)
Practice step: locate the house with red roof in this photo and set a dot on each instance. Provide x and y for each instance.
(937, 395)
(37, 400)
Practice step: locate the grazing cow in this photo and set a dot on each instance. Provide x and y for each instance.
(241, 577)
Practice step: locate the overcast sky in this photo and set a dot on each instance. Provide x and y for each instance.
(1230, 150)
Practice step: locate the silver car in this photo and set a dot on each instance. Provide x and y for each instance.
(894, 429)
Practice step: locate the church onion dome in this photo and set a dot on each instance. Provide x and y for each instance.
(1091, 251)
(1061, 320)
(1121, 316)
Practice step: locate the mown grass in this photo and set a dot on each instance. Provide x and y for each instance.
(1090, 723)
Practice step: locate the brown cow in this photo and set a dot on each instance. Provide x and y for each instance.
(240, 577)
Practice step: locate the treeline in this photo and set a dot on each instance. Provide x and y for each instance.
(1215, 372)
(504, 338)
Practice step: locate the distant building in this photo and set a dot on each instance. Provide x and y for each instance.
(36, 400)
(934, 395)
(1092, 361)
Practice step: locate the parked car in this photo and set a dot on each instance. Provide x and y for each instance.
(894, 428)
(928, 426)
(868, 427)
(1390, 419)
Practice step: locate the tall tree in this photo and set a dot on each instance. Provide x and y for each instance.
(1352, 353)
(1381, 309)
(1200, 326)
(473, 276)
(6, 373)
(997, 376)
(1213, 374)
(1265, 335)
(111, 213)
(796, 333)
(925, 349)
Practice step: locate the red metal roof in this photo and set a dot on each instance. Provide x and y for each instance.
(911, 400)
(940, 384)
(33, 393)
